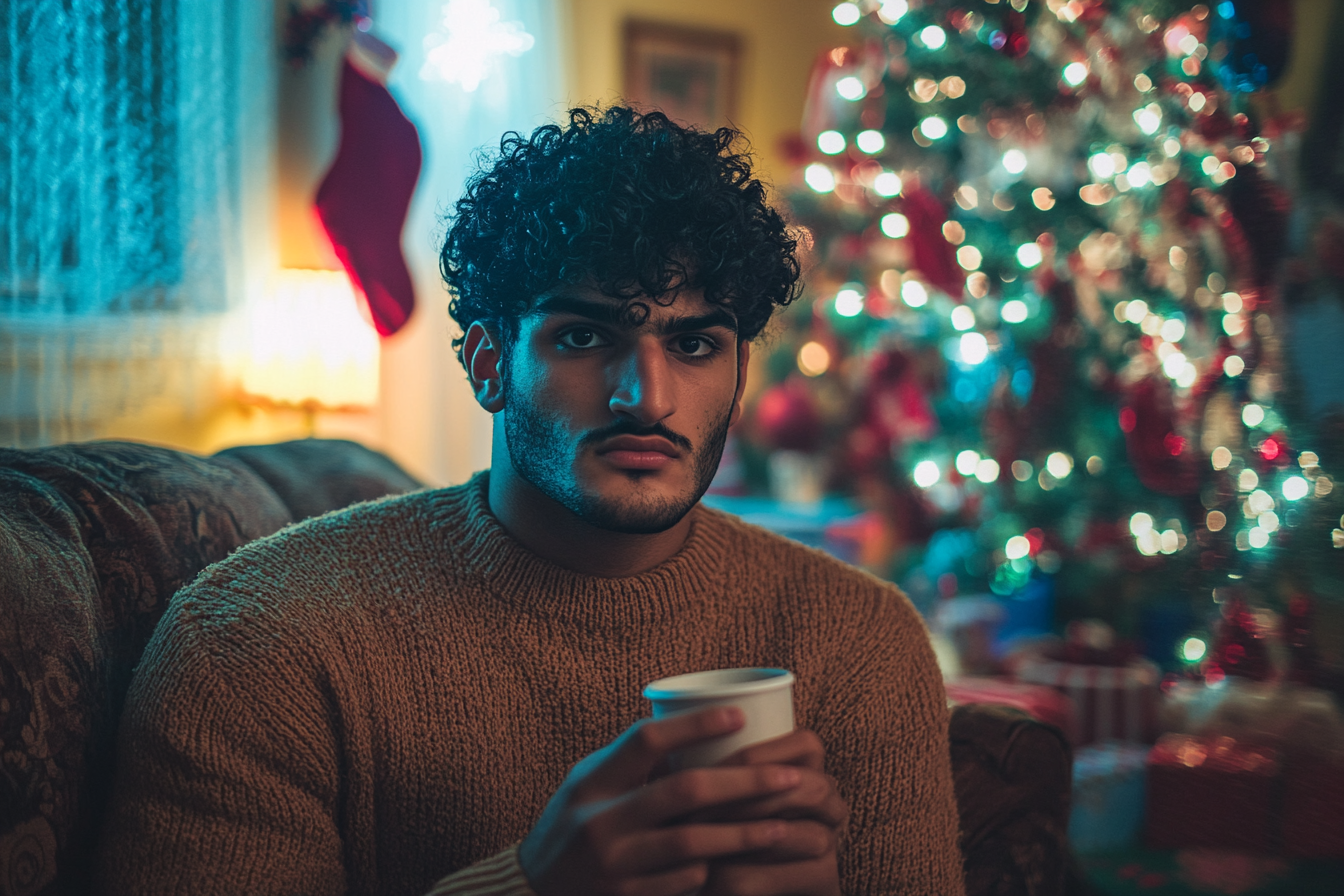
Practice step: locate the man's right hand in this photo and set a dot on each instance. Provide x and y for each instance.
(609, 830)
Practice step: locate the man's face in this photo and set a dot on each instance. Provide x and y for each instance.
(622, 423)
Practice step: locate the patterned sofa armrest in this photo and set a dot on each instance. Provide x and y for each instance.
(1013, 777)
(95, 538)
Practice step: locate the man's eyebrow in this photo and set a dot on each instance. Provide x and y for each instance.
(605, 312)
(614, 313)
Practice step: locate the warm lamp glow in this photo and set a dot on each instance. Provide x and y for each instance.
(307, 345)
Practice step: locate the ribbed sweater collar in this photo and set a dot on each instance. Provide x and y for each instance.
(519, 578)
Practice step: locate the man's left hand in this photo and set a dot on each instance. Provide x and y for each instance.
(804, 862)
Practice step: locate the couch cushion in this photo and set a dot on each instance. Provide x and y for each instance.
(312, 476)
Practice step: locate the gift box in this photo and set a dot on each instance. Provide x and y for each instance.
(1210, 792)
(1109, 781)
(1044, 704)
(1313, 806)
(1113, 702)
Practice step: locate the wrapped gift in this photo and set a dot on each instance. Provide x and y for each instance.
(1108, 791)
(1113, 702)
(1313, 805)
(1044, 704)
(1210, 792)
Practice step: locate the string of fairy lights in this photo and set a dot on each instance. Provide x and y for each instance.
(1157, 112)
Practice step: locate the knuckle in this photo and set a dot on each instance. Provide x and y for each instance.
(645, 736)
(690, 787)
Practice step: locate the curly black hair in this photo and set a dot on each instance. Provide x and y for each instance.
(633, 203)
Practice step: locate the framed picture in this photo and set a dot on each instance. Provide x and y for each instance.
(691, 74)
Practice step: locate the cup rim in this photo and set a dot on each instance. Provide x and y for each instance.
(718, 683)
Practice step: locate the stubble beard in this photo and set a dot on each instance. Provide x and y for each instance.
(545, 455)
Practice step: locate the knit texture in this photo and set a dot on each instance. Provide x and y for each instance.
(380, 697)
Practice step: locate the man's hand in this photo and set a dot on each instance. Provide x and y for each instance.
(814, 810)
(610, 830)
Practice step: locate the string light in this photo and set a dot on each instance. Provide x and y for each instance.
(926, 473)
(888, 183)
(892, 11)
(849, 302)
(1014, 161)
(933, 127)
(894, 225)
(987, 470)
(870, 141)
(850, 88)
(831, 142)
(1014, 311)
(914, 294)
(1075, 73)
(963, 318)
(820, 178)
(933, 37)
(813, 359)
(846, 14)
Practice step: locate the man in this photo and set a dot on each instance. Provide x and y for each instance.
(442, 690)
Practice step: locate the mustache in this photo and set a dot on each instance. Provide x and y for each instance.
(631, 428)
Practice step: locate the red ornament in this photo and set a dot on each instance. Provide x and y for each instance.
(933, 255)
(787, 418)
(1239, 647)
(1150, 439)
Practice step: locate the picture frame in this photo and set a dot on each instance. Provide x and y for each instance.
(690, 74)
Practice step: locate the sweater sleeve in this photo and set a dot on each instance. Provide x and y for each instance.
(885, 729)
(228, 776)
(499, 875)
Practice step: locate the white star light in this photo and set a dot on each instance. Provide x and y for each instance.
(474, 37)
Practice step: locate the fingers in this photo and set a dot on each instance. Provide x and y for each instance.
(627, 763)
(668, 848)
(693, 790)
(799, 747)
(815, 797)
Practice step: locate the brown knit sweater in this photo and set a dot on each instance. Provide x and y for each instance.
(383, 696)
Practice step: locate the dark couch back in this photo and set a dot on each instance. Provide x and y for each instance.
(94, 540)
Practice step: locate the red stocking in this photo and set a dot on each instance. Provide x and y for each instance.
(363, 199)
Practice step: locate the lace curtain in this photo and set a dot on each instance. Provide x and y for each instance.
(134, 172)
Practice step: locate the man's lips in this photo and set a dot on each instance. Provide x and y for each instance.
(638, 452)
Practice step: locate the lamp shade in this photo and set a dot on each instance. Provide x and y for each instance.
(308, 345)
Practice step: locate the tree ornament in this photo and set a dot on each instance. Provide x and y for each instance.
(787, 418)
(1239, 646)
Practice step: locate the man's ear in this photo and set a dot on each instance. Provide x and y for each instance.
(743, 356)
(483, 352)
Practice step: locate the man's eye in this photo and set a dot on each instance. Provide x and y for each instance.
(696, 346)
(580, 338)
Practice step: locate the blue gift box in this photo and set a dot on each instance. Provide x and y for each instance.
(1108, 787)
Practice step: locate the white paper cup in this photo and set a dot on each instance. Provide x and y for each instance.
(765, 697)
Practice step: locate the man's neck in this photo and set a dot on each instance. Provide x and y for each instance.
(556, 534)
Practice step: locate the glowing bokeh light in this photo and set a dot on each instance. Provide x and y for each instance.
(926, 473)
(813, 359)
(894, 225)
(1014, 311)
(846, 14)
(987, 470)
(849, 302)
(888, 183)
(914, 294)
(933, 37)
(831, 142)
(974, 348)
(966, 462)
(963, 318)
(870, 141)
(1029, 255)
(820, 178)
(933, 127)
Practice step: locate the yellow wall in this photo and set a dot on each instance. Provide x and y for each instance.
(781, 38)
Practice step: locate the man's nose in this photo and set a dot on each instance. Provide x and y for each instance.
(643, 388)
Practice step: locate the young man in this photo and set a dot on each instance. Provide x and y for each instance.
(441, 691)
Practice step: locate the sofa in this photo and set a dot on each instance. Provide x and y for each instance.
(96, 537)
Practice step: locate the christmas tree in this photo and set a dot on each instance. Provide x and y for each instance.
(1042, 339)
